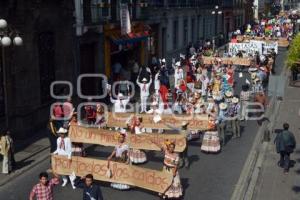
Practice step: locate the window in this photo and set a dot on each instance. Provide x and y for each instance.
(100, 10)
(175, 34)
(185, 32)
(46, 44)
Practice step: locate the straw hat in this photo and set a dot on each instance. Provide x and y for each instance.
(62, 130)
(120, 95)
(228, 93)
(154, 103)
(184, 123)
(223, 106)
(235, 100)
(177, 64)
(144, 80)
(123, 132)
(163, 60)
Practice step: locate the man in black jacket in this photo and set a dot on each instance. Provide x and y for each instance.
(285, 145)
(90, 190)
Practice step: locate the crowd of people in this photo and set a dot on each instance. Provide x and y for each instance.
(188, 86)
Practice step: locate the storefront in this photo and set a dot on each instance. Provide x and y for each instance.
(125, 48)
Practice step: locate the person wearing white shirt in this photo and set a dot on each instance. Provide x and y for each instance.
(156, 83)
(205, 80)
(120, 103)
(144, 92)
(178, 73)
(64, 148)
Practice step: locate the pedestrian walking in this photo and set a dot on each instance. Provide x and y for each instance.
(285, 145)
(91, 191)
(44, 189)
(6, 145)
(221, 122)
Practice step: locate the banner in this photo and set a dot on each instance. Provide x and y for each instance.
(225, 60)
(249, 48)
(125, 19)
(196, 122)
(282, 42)
(108, 138)
(267, 46)
(153, 180)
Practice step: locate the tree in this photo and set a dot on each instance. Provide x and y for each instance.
(294, 52)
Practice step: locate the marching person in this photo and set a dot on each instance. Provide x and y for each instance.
(285, 145)
(90, 113)
(52, 135)
(120, 103)
(233, 112)
(120, 154)
(91, 191)
(171, 162)
(6, 150)
(221, 119)
(64, 148)
(44, 189)
(144, 92)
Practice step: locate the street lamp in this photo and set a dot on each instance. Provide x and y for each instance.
(7, 37)
(216, 12)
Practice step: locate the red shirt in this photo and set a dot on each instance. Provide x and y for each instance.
(44, 192)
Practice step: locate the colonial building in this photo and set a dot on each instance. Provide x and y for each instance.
(48, 54)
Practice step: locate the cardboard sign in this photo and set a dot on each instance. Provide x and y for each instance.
(249, 48)
(235, 60)
(282, 42)
(196, 122)
(108, 138)
(153, 180)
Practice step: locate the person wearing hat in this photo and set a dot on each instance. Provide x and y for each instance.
(144, 92)
(257, 86)
(120, 103)
(221, 121)
(245, 97)
(228, 96)
(233, 112)
(64, 148)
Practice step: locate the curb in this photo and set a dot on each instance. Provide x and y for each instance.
(245, 182)
(41, 155)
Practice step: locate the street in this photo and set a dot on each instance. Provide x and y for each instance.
(211, 176)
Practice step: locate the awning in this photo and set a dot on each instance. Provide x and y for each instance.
(130, 38)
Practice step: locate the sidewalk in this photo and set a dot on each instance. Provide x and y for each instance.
(28, 153)
(272, 182)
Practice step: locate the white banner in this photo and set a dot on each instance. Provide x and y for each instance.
(249, 48)
(125, 19)
(267, 46)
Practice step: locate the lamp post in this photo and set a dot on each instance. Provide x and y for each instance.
(7, 37)
(216, 12)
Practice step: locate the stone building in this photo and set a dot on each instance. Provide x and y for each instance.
(48, 54)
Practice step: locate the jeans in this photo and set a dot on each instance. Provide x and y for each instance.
(236, 128)
(221, 131)
(285, 160)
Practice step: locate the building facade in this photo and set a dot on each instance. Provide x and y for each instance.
(46, 55)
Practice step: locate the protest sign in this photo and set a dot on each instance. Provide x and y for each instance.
(227, 60)
(282, 42)
(140, 141)
(249, 48)
(196, 122)
(153, 180)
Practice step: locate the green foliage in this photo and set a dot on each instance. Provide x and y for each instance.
(294, 52)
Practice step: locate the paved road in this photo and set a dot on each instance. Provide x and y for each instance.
(211, 176)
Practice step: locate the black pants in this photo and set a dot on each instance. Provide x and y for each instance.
(285, 160)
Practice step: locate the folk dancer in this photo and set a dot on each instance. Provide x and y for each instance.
(144, 92)
(119, 154)
(136, 156)
(64, 148)
(234, 112)
(171, 162)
